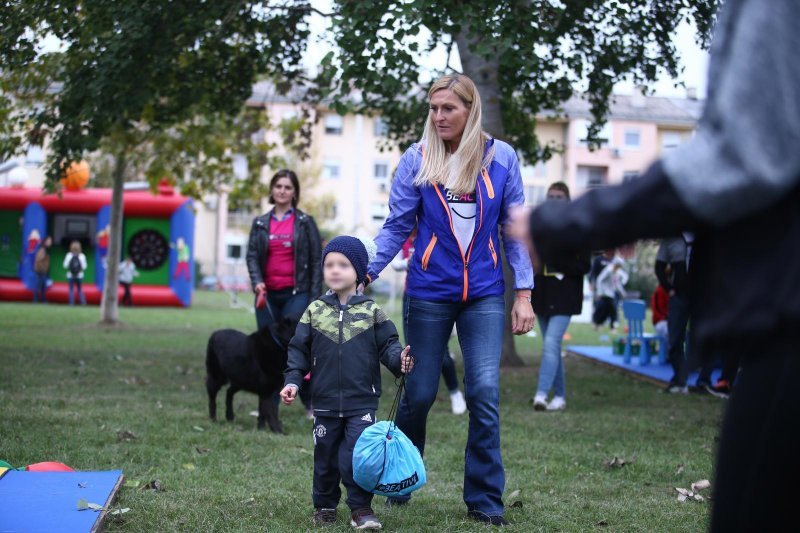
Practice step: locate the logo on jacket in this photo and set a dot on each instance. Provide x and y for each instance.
(453, 198)
(367, 418)
(320, 431)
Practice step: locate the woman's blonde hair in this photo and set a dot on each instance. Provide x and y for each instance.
(75, 247)
(459, 172)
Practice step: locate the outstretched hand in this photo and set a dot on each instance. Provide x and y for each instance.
(406, 361)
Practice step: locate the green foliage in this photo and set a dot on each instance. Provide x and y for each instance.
(129, 71)
(642, 270)
(536, 50)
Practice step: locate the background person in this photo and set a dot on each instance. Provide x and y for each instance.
(127, 271)
(458, 185)
(557, 294)
(75, 264)
(41, 267)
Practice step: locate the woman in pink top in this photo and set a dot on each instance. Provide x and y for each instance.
(283, 254)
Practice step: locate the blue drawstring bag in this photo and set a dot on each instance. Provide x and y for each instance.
(385, 461)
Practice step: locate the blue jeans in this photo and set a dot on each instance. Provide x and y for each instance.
(480, 326)
(76, 283)
(281, 303)
(551, 372)
(40, 289)
(448, 365)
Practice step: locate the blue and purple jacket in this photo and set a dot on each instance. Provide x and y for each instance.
(439, 270)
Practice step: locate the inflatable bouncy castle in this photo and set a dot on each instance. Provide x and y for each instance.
(157, 233)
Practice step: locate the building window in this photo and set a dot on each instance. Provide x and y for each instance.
(333, 124)
(670, 140)
(380, 212)
(534, 194)
(35, 155)
(633, 139)
(380, 171)
(331, 169)
(379, 127)
(629, 175)
(235, 247)
(589, 177)
(582, 129)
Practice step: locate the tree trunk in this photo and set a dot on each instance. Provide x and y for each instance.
(109, 307)
(484, 73)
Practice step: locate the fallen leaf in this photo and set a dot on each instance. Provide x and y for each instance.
(700, 485)
(202, 450)
(698, 497)
(83, 505)
(158, 404)
(617, 462)
(188, 466)
(125, 435)
(516, 504)
(681, 497)
(197, 428)
(679, 469)
(513, 494)
(132, 483)
(120, 511)
(682, 491)
(249, 501)
(135, 380)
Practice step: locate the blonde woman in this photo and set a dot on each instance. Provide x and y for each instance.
(75, 263)
(458, 184)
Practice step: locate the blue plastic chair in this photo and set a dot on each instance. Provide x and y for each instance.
(634, 312)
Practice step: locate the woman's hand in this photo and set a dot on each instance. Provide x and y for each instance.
(260, 287)
(288, 394)
(522, 317)
(406, 361)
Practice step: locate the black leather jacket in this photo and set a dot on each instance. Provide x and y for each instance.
(307, 253)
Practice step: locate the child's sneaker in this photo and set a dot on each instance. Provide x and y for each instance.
(540, 402)
(457, 402)
(365, 519)
(324, 517)
(558, 403)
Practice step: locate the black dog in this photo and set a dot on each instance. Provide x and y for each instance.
(253, 363)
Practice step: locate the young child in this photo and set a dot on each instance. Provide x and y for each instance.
(341, 338)
(127, 271)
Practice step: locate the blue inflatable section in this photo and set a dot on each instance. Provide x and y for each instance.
(181, 235)
(103, 219)
(48, 501)
(34, 223)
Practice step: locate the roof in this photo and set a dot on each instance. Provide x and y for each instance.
(658, 109)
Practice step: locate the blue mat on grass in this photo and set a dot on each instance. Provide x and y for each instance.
(48, 501)
(653, 371)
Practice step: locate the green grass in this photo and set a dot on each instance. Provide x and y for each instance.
(68, 388)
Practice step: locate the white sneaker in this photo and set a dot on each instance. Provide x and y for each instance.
(457, 403)
(558, 403)
(540, 402)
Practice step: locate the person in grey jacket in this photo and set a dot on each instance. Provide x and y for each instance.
(283, 254)
(736, 183)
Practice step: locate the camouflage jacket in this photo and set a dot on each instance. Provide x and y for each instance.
(343, 349)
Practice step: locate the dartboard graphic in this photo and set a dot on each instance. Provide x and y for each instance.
(148, 249)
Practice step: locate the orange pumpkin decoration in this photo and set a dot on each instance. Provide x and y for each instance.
(76, 176)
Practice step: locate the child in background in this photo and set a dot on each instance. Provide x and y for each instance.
(127, 271)
(341, 338)
(75, 263)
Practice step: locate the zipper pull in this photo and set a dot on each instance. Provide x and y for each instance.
(341, 313)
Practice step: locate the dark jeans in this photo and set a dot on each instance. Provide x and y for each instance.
(334, 440)
(605, 309)
(76, 283)
(448, 366)
(480, 324)
(677, 320)
(40, 288)
(757, 463)
(280, 304)
(126, 296)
